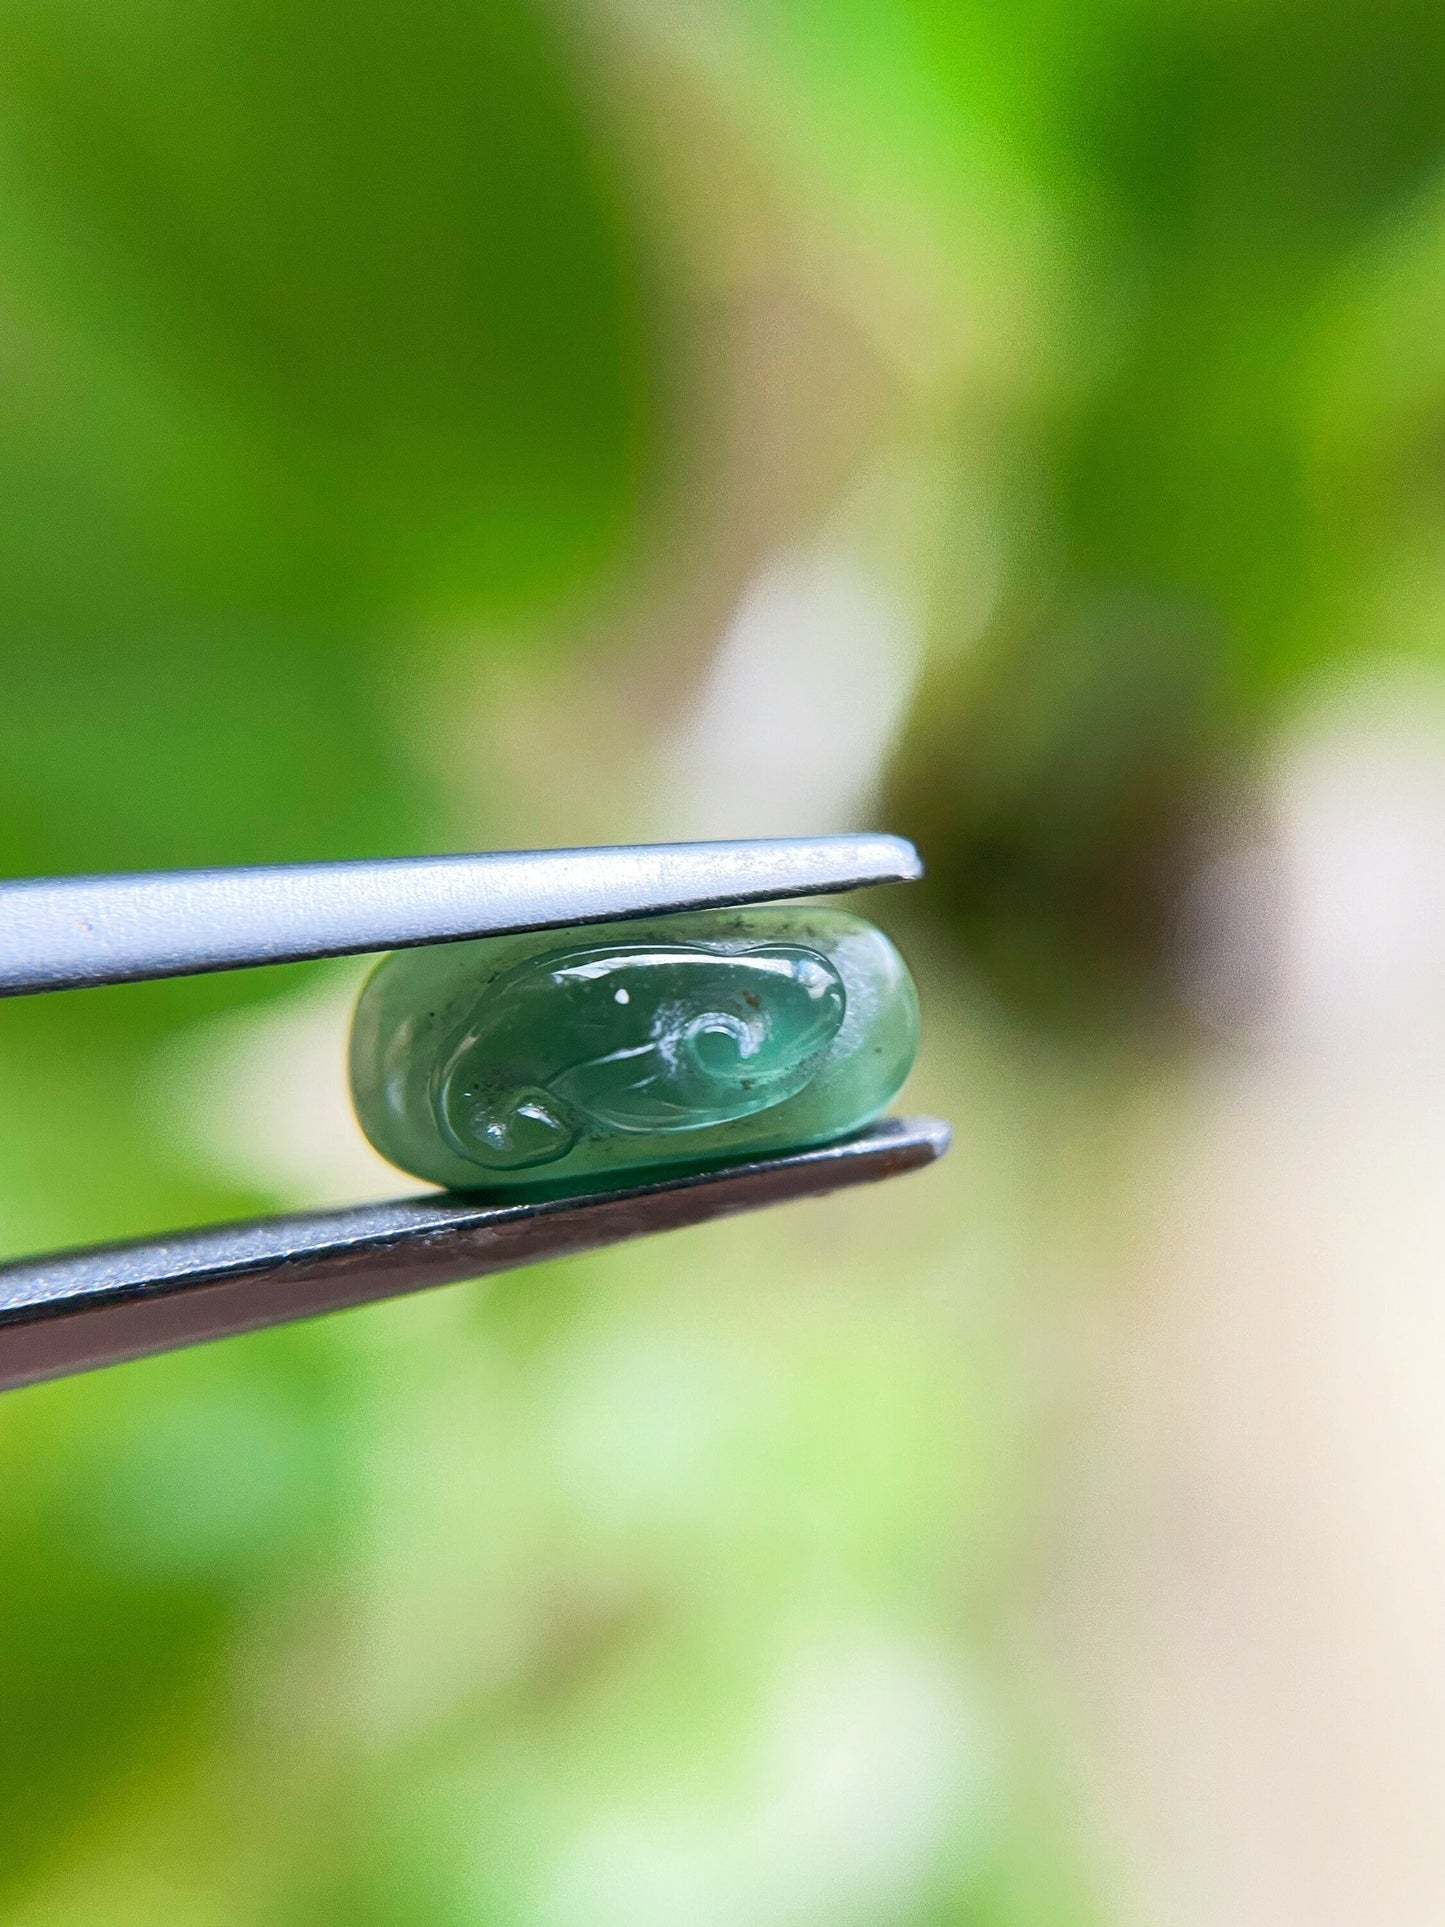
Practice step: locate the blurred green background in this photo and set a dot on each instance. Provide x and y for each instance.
(472, 424)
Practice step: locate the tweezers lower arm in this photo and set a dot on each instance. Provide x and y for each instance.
(72, 1311)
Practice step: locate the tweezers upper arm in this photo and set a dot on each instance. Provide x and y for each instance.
(64, 932)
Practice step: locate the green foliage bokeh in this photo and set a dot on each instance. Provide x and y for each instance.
(336, 351)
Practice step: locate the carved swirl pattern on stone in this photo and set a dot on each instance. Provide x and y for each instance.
(593, 1052)
(637, 1039)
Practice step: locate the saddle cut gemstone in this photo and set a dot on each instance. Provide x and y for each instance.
(576, 1056)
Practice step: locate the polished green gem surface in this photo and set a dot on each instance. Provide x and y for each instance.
(587, 1054)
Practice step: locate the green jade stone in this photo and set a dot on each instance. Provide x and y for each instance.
(569, 1058)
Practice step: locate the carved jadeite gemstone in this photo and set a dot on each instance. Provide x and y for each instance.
(585, 1055)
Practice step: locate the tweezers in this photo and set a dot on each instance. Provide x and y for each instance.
(71, 1311)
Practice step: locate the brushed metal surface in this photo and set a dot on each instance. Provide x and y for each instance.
(60, 933)
(73, 1311)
